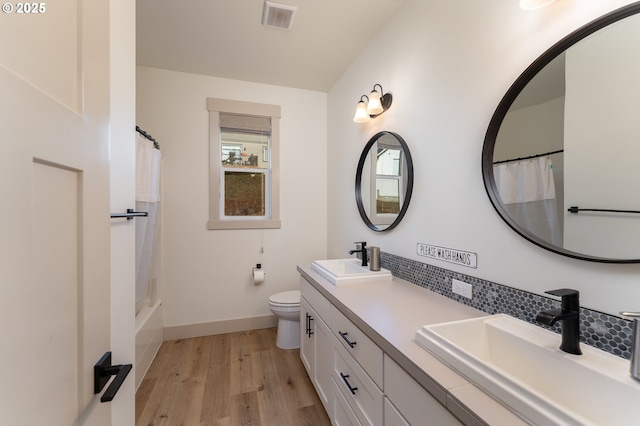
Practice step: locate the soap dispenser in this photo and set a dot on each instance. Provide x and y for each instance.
(374, 258)
(634, 368)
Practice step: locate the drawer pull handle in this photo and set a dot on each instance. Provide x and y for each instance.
(344, 336)
(307, 325)
(346, 382)
(309, 331)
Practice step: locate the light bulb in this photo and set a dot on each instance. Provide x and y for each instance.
(361, 115)
(375, 106)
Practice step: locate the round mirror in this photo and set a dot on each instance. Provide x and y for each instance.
(384, 181)
(561, 157)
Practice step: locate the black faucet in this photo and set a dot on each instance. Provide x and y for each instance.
(569, 314)
(362, 250)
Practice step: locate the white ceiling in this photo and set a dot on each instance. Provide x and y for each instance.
(225, 38)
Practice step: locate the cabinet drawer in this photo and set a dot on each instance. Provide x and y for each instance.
(391, 415)
(342, 413)
(356, 343)
(362, 394)
(412, 400)
(318, 302)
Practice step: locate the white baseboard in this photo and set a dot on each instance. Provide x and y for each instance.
(219, 327)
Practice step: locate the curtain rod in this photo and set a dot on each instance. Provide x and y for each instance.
(529, 157)
(156, 145)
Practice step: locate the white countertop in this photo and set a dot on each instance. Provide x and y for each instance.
(390, 313)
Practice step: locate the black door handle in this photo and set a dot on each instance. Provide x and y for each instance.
(346, 339)
(130, 214)
(309, 330)
(308, 326)
(102, 371)
(346, 382)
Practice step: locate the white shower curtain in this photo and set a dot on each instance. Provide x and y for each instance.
(528, 191)
(147, 200)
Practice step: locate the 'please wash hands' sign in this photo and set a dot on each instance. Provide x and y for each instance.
(459, 257)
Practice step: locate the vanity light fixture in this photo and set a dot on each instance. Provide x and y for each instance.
(376, 104)
(361, 111)
(534, 4)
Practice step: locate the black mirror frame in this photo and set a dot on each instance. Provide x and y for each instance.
(503, 108)
(408, 192)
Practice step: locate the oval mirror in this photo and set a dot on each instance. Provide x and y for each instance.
(384, 181)
(561, 157)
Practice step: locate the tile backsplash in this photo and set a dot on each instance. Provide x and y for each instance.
(603, 331)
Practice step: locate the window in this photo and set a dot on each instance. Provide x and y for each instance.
(243, 165)
(388, 174)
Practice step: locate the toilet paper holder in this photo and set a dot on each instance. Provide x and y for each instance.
(258, 274)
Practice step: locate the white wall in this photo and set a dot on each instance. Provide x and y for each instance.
(207, 274)
(448, 64)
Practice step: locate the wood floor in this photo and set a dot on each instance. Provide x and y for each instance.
(228, 380)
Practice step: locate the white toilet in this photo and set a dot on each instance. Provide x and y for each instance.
(286, 306)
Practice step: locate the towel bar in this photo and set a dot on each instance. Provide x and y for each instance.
(575, 209)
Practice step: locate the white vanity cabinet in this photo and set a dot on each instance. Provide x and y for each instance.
(391, 415)
(413, 404)
(342, 414)
(357, 382)
(316, 341)
(363, 395)
(358, 345)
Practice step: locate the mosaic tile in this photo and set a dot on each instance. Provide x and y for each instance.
(603, 331)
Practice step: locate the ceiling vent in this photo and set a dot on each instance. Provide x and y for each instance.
(276, 15)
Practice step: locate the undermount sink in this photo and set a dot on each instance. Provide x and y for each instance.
(348, 271)
(520, 364)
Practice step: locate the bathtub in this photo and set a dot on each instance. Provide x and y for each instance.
(148, 338)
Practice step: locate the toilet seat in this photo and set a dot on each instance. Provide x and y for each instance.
(285, 299)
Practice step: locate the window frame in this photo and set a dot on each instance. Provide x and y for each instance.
(217, 220)
(385, 218)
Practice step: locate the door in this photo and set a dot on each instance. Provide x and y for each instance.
(307, 342)
(55, 311)
(316, 352)
(324, 362)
